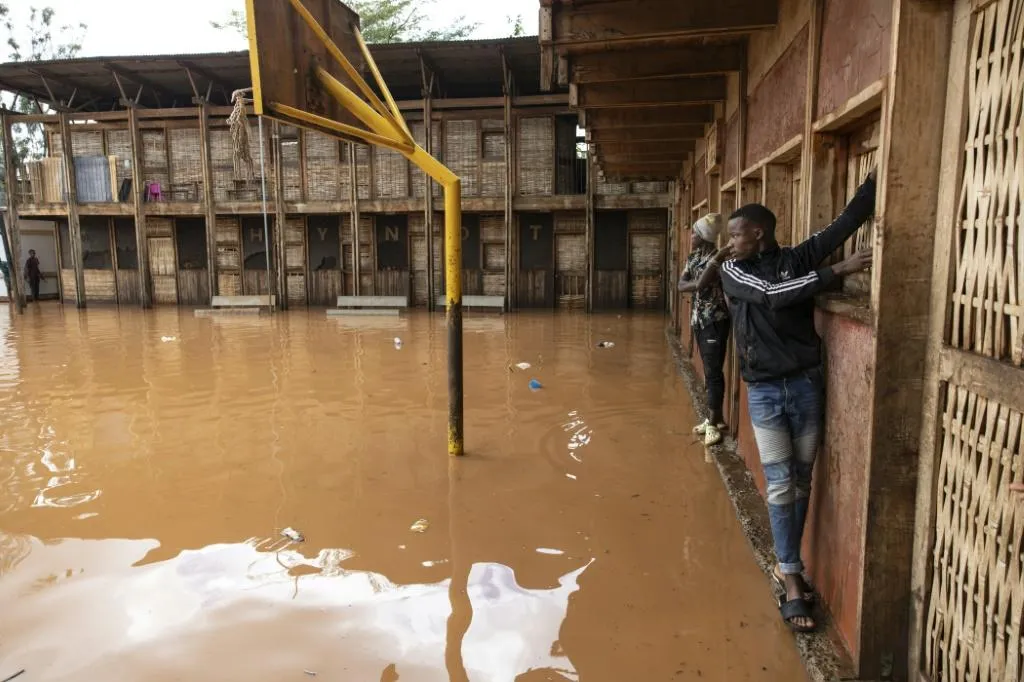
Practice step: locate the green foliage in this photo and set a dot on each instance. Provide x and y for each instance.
(383, 21)
(35, 42)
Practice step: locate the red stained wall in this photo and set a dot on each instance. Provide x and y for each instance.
(855, 42)
(775, 110)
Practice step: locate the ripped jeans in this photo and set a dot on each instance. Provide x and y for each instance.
(713, 343)
(787, 415)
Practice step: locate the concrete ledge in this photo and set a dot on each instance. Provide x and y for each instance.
(261, 301)
(349, 312)
(822, 654)
(210, 312)
(373, 302)
(492, 302)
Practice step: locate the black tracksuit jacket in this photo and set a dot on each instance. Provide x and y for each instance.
(771, 297)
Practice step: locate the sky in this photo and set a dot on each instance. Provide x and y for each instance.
(130, 27)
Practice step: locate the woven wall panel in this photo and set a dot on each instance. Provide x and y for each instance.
(161, 256)
(570, 253)
(87, 143)
(221, 164)
(537, 156)
(229, 283)
(363, 171)
(186, 155)
(295, 229)
(603, 187)
(227, 230)
(494, 256)
(494, 284)
(290, 172)
(296, 283)
(119, 144)
(366, 264)
(973, 620)
(492, 228)
(100, 285)
(493, 181)
(159, 227)
(56, 144)
(651, 221)
(391, 173)
(462, 154)
(417, 176)
(324, 169)
(228, 257)
(646, 252)
(988, 291)
(649, 187)
(295, 256)
(570, 222)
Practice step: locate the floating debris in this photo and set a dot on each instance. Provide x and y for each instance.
(606, 344)
(420, 526)
(168, 339)
(311, 673)
(293, 535)
(551, 552)
(535, 385)
(17, 674)
(524, 365)
(398, 343)
(570, 476)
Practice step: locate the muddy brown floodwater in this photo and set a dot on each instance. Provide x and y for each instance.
(150, 461)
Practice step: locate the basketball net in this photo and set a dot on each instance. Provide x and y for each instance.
(238, 124)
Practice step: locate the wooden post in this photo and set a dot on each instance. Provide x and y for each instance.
(951, 172)
(811, 216)
(592, 236)
(281, 276)
(12, 226)
(911, 153)
(512, 233)
(74, 228)
(354, 193)
(141, 233)
(428, 196)
(208, 206)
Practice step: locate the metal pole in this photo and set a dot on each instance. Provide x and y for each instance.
(263, 192)
(453, 314)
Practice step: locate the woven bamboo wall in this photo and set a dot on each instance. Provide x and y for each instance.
(363, 171)
(438, 253)
(988, 298)
(417, 176)
(492, 181)
(649, 187)
(163, 262)
(571, 260)
(391, 174)
(87, 143)
(186, 157)
(647, 232)
(221, 164)
(295, 259)
(229, 261)
(100, 286)
(327, 178)
(537, 156)
(290, 163)
(462, 153)
(366, 264)
(604, 187)
(119, 144)
(418, 261)
(154, 158)
(492, 240)
(973, 628)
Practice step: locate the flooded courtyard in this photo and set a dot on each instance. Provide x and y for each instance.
(150, 460)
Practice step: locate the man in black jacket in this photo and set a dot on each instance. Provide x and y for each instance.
(771, 297)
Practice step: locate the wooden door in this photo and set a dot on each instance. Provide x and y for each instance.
(611, 260)
(969, 565)
(129, 285)
(647, 270)
(323, 259)
(193, 276)
(536, 260)
(391, 235)
(571, 271)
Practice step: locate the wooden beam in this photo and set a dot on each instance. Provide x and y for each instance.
(510, 190)
(559, 99)
(947, 226)
(608, 119)
(652, 93)
(685, 60)
(12, 225)
(428, 195)
(903, 268)
(211, 77)
(69, 83)
(141, 231)
(684, 131)
(598, 26)
(141, 80)
(74, 227)
(208, 198)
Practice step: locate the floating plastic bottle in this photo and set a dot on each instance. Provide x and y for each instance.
(535, 385)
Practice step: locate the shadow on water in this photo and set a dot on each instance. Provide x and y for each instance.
(150, 461)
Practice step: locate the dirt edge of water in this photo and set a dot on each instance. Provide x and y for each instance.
(822, 655)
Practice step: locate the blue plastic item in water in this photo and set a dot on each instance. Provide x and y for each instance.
(535, 385)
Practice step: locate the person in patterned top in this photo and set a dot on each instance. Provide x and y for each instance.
(710, 317)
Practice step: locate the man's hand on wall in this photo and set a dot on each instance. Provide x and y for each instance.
(855, 263)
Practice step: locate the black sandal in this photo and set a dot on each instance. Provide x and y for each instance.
(780, 582)
(796, 608)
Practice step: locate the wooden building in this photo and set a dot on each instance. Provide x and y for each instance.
(162, 212)
(916, 544)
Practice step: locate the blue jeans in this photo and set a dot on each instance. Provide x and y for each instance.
(787, 415)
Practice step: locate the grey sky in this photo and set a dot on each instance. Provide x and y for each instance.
(129, 27)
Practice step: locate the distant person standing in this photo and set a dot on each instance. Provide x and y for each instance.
(33, 275)
(710, 316)
(5, 268)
